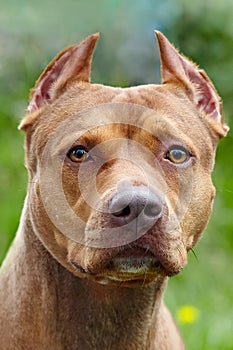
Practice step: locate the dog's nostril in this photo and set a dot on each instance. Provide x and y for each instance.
(124, 212)
(135, 202)
(153, 210)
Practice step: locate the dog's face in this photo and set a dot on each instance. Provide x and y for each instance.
(120, 186)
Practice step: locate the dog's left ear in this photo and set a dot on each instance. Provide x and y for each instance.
(176, 68)
(72, 64)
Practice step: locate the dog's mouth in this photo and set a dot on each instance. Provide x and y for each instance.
(136, 264)
(133, 265)
(134, 260)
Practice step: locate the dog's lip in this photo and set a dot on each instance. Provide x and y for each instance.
(143, 260)
(131, 259)
(132, 263)
(134, 251)
(132, 266)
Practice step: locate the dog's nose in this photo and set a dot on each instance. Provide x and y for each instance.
(135, 202)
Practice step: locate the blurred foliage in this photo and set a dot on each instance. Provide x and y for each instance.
(31, 33)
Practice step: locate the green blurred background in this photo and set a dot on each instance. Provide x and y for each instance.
(32, 32)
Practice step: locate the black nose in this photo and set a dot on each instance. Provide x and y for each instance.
(135, 202)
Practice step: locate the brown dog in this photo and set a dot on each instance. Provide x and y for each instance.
(119, 191)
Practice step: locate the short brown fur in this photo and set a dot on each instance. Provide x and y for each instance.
(51, 288)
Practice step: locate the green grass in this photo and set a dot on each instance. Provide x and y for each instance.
(12, 180)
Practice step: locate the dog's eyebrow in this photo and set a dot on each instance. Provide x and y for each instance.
(63, 143)
(85, 137)
(164, 131)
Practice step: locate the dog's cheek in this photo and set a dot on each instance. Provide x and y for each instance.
(73, 194)
(70, 184)
(62, 248)
(194, 222)
(53, 240)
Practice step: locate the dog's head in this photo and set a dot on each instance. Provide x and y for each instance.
(120, 187)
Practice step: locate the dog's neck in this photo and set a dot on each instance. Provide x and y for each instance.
(83, 314)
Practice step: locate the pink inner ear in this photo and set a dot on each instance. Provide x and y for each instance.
(209, 106)
(42, 90)
(40, 94)
(208, 99)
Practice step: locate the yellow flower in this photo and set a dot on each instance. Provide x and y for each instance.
(187, 314)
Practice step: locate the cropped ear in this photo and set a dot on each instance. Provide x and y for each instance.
(72, 64)
(176, 68)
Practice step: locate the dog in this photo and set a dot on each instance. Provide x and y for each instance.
(119, 191)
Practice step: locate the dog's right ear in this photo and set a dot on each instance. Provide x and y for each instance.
(179, 70)
(72, 64)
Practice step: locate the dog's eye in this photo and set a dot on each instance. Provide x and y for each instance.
(178, 155)
(78, 154)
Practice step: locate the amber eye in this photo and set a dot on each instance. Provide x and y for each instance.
(78, 154)
(178, 155)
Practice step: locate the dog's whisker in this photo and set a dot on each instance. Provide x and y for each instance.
(144, 280)
(195, 255)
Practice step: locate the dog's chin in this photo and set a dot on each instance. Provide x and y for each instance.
(129, 277)
(131, 268)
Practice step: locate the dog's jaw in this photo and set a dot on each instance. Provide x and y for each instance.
(155, 255)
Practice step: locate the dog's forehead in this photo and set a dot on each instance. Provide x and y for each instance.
(156, 109)
(163, 100)
(83, 98)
